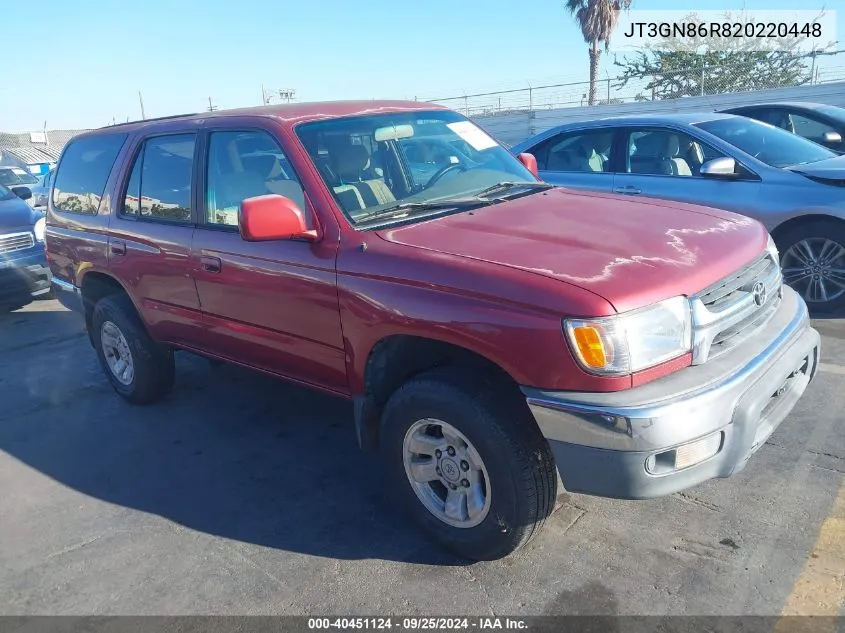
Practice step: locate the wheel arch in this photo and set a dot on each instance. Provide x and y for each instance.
(396, 358)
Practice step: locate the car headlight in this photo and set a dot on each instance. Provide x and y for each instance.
(632, 341)
(39, 229)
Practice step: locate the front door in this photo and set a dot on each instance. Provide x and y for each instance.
(665, 163)
(271, 305)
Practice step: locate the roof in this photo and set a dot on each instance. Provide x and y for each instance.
(292, 113)
(34, 155)
(21, 146)
(806, 105)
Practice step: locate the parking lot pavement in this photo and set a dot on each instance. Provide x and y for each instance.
(243, 495)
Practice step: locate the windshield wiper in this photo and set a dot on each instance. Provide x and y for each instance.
(406, 208)
(505, 185)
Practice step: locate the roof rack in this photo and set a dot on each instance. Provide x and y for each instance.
(160, 118)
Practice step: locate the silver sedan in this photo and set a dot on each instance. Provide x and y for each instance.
(793, 186)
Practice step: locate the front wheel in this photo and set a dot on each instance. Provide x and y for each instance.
(469, 465)
(813, 263)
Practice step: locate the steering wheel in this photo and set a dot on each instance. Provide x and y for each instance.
(443, 171)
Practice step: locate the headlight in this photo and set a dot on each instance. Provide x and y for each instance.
(773, 250)
(39, 229)
(632, 341)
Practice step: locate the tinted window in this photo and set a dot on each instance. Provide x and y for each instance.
(810, 128)
(663, 152)
(84, 170)
(160, 183)
(771, 145)
(583, 151)
(243, 165)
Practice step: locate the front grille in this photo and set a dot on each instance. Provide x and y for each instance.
(728, 312)
(11, 242)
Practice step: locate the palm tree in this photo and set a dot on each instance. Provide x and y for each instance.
(597, 19)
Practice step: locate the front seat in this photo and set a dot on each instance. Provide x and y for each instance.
(349, 164)
(671, 151)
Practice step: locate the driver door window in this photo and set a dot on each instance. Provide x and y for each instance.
(243, 165)
(663, 152)
(811, 129)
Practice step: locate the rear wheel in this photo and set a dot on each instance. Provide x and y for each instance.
(139, 369)
(468, 464)
(813, 263)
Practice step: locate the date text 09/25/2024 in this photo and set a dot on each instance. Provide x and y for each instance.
(416, 624)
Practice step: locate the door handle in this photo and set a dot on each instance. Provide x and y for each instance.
(211, 264)
(118, 248)
(629, 189)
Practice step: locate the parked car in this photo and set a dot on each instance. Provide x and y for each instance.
(19, 177)
(822, 124)
(41, 190)
(793, 186)
(24, 273)
(485, 325)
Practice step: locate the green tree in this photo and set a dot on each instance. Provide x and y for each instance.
(596, 19)
(692, 66)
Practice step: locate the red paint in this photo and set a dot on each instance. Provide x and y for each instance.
(497, 281)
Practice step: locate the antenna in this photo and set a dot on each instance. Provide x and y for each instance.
(211, 107)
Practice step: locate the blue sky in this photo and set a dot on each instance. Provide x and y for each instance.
(94, 56)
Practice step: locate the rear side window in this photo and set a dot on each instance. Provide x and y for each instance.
(82, 174)
(159, 186)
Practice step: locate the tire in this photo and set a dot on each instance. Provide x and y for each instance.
(815, 234)
(516, 460)
(152, 365)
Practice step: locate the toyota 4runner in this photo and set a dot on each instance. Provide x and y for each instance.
(487, 326)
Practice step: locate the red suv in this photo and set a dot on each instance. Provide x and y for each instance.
(487, 326)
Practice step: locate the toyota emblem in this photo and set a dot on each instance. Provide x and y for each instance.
(759, 293)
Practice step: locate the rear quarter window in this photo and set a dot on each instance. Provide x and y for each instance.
(83, 172)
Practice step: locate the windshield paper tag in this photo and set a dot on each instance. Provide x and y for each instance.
(472, 134)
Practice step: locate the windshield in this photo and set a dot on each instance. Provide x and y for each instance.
(413, 160)
(769, 144)
(14, 176)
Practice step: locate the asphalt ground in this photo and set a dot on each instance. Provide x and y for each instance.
(244, 495)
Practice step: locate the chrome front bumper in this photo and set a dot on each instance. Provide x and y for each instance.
(603, 441)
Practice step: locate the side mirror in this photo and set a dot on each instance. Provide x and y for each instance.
(832, 137)
(24, 193)
(530, 163)
(719, 168)
(272, 217)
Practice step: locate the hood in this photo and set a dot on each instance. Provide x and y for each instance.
(17, 214)
(631, 252)
(829, 171)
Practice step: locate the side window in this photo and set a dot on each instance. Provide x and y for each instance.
(584, 151)
(159, 186)
(82, 174)
(811, 129)
(243, 165)
(660, 152)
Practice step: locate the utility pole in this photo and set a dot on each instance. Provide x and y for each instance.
(211, 108)
(141, 101)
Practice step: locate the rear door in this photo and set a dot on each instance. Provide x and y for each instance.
(271, 305)
(151, 233)
(578, 159)
(664, 163)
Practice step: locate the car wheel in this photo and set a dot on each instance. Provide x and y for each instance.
(813, 262)
(469, 465)
(139, 369)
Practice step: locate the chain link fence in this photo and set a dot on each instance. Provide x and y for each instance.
(690, 82)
